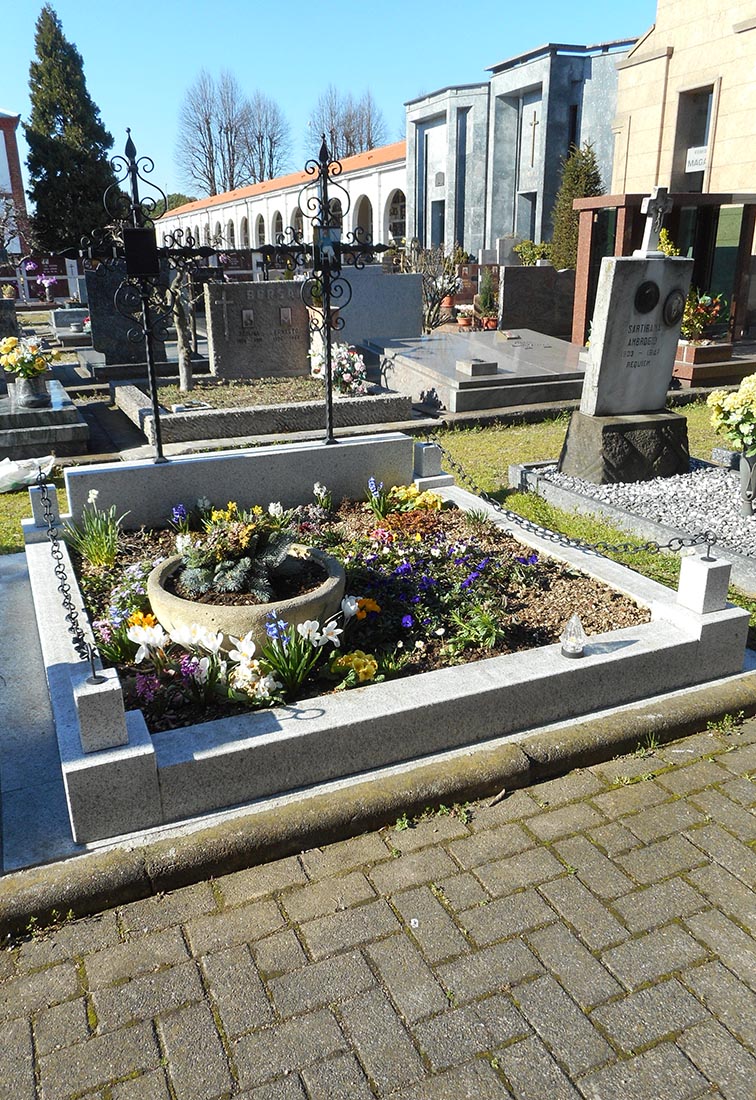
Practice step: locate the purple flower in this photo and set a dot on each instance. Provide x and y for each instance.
(408, 621)
(531, 559)
(178, 514)
(147, 686)
(374, 487)
(403, 569)
(187, 667)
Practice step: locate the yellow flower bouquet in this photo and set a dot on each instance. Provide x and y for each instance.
(734, 415)
(26, 358)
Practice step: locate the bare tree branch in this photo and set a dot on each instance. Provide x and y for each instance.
(227, 140)
(350, 125)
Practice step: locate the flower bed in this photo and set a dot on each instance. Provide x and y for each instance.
(427, 588)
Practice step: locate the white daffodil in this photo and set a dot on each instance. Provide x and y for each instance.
(147, 638)
(309, 630)
(349, 607)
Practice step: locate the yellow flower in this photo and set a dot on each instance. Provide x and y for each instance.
(365, 604)
(139, 618)
(363, 664)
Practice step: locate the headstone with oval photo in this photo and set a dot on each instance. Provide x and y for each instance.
(622, 431)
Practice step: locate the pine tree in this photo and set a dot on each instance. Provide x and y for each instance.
(581, 179)
(68, 161)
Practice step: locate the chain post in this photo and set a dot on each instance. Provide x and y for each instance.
(703, 538)
(84, 649)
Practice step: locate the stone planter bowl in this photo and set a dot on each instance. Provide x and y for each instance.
(237, 620)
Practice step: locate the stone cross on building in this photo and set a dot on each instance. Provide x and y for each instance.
(654, 206)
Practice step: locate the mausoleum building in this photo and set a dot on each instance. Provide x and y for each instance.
(484, 160)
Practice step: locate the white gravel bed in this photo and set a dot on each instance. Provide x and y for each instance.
(706, 499)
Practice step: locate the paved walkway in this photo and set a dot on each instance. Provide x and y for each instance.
(587, 937)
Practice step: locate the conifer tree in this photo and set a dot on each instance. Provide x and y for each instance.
(68, 161)
(581, 179)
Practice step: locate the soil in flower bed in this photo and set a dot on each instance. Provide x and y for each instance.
(449, 589)
(233, 394)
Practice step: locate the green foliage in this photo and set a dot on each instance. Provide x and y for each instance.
(68, 161)
(727, 724)
(477, 627)
(529, 252)
(96, 537)
(581, 178)
(486, 295)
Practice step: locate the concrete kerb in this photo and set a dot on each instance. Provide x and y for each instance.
(138, 868)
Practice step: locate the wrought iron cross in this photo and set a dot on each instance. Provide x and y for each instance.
(654, 206)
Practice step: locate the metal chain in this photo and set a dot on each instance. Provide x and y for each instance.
(84, 649)
(704, 538)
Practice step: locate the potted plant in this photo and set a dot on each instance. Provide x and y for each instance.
(733, 415)
(29, 362)
(487, 304)
(702, 311)
(465, 316)
(230, 576)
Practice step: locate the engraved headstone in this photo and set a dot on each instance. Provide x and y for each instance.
(110, 329)
(621, 431)
(257, 330)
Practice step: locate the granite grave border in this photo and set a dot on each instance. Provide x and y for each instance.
(210, 423)
(136, 781)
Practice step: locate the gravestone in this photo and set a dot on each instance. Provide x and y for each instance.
(8, 319)
(257, 330)
(110, 329)
(622, 431)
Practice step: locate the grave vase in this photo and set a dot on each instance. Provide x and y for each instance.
(31, 393)
(747, 483)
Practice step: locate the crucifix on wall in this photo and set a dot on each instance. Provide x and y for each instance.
(533, 125)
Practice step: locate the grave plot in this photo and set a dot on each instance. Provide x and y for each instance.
(264, 406)
(121, 778)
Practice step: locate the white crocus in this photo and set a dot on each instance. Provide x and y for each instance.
(350, 605)
(209, 641)
(330, 634)
(147, 638)
(266, 685)
(245, 648)
(183, 543)
(309, 630)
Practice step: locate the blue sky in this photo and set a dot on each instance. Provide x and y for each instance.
(140, 57)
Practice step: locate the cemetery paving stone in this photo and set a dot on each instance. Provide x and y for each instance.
(584, 939)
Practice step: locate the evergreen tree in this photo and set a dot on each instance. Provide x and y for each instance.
(581, 179)
(68, 161)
